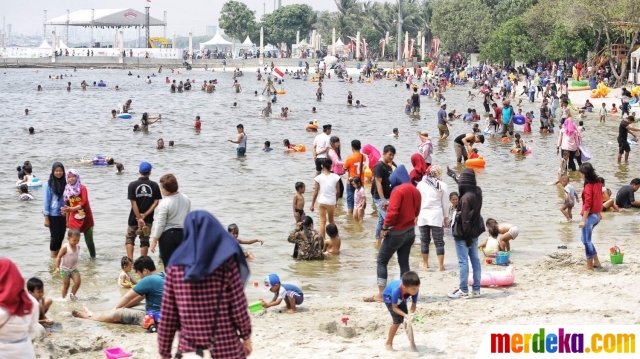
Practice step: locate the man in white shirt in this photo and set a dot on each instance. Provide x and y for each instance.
(321, 146)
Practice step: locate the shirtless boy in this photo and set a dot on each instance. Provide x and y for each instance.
(332, 245)
(298, 202)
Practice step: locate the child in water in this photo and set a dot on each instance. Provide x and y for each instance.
(519, 147)
(407, 107)
(24, 193)
(267, 146)
(564, 166)
(527, 122)
(474, 153)
(66, 263)
(124, 279)
(570, 197)
(35, 287)
(359, 198)
(298, 202)
(234, 231)
(197, 125)
(119, 168)
(603, 112)
(331, 245)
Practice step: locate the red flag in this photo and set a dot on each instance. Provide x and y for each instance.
(278, 72)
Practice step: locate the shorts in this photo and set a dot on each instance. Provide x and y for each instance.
(299, 298)
(130, 316)
(415, 108)
(568, 204)
(513, 231)
(240, 151)
(408, 86)
(397, 319)
(131, 236)
(539, 88)
(623, 146)
(300, 212)
(443, 130)
(319, 164)
(68, 273)
(461, 152)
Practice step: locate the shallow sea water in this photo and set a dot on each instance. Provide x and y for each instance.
(255, 192)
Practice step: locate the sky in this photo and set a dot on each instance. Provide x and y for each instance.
(180, 17)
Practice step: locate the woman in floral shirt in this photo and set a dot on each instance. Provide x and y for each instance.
(308, 241)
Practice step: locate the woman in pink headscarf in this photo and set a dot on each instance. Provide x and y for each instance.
(373, 154)
(569, 140)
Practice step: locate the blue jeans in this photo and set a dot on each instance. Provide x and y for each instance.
(532, 96)
(592, 221)
(396, 241)
(349, 196)
(382, 213)
(464, 254)
(240, 151)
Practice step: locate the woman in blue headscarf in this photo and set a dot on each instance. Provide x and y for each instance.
(204, 293)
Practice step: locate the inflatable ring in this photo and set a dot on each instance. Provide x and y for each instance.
(580, 88)
(367, 173)
(124, 116)
(297, 148)
(579, 83)
(475, 162)
(496, 279)
(518, 119)
(102, 85)
(506, 139)
(35, 182)
(312, 128)
(281, 92)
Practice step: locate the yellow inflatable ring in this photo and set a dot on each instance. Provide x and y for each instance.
(281, 92)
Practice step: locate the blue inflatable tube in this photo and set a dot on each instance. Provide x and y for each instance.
(518, 119)
(102, 84)
(124, 116)
(424, 92)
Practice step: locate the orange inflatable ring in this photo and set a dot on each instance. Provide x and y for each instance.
(313, 128)
(476, 162)
(296, 148)
(506, 139)
(367, 173)
(281, 92)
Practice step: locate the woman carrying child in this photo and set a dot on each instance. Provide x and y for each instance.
(78, 210)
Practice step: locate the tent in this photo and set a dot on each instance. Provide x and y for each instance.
(635, 65)
(61, 44)
(217, 40)
(105, 17)
(247, 42)
(44, 45)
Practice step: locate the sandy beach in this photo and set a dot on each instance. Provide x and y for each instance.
(552, 290)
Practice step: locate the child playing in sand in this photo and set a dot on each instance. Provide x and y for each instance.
(570, 197)
(603, 112)
(291, 294)
(332, 245)
(35, 287)
(298, 202)
(234, 231)
(66, 263)
(502, 233)
(564, 166)
(474, 153)
(124, 279)
(395, 297)
(359, 198)
(581, 126)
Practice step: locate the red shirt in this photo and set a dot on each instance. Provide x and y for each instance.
(592, 198)
(404, 207)
(192, 308)
(497, 113)
(83, 218)
(197, 125)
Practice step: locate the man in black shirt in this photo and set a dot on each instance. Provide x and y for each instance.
(415, 102)
(381, 187)
(623, 131)
(144, 195)
(625, 197)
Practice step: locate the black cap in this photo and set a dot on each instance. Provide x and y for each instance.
(326, 127)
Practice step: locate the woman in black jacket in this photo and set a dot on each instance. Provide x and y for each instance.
(467, 227)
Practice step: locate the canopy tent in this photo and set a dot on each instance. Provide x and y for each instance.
(44, 45)
(339, 43)
(61, 44)
(247, 42)
(635, 65)
(105, 17)
(302, 50)
(217, 40)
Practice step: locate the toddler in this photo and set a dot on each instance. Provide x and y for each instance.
(476, 129)
(124, 279)
(332, 245)
(298, 202)
(581, 126)
(395, 297)
(519, 146)
(234, 231)
(474, 153)
(35, 287)
(527, 122)
(24, 193)
(564, 166)
(614, 109)
(407, 107)
(453, 199)
(291, 294)
(360, 199)
(66, 263)
(197, 125)
(570, 197)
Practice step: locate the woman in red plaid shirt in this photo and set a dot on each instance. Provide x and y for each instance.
(204, 294)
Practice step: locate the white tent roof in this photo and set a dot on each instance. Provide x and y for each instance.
(636, 54)
(217, 40)
(44, 45)
(61, 44)
(105, 17)
(247, 41)
(339, 43)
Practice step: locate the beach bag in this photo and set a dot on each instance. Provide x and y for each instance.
(585, 155)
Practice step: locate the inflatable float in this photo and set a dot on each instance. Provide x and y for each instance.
(475, 162)
(124, 116)
(424, 92)
(634, 100)
(579, 83)
(496, 279)
(296, 148)
(312, 127)
(281, 92)
(600, 91)
(102, 84)
(518, 119)
(367, 174)
(35, 182)
(372, 153)
(579, 88)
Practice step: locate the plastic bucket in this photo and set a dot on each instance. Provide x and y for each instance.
(358, 66)
(255, 307)
(502, 258)
(299, 63)
(616, 259)
(116, 353)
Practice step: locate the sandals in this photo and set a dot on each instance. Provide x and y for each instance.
(562, 247)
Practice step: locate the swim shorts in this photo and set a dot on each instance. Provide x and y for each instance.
(68, 273)
(415, 109)
(397, 319)
(299, 298)
(443, 130)
(241, 151)
(623, 146)
(513, 231)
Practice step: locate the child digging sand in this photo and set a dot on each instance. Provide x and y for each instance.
(332, 245)
(234, 231)
(291, 294)
(298, 202)
(67, 261)
(35, 287)
(124, 279)
(570, 197)
(395, 298)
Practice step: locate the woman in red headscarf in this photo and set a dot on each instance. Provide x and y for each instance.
(18, 314)
(419, 170)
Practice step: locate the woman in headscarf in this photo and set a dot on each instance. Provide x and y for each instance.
(373, 154)
(19, 314)
(570, 140)
(169, 217)
(419, 168)
(54, 219)
(308, 241)
(337, 165)
(78, 210)
(468, 225)
(204, 293)
(434, 214)
(590, 212)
